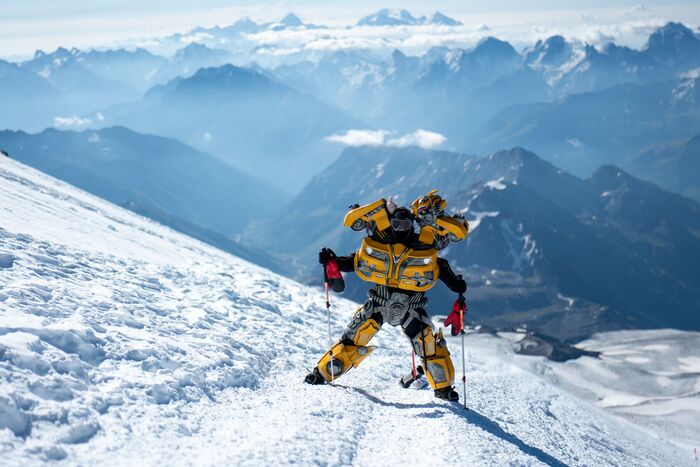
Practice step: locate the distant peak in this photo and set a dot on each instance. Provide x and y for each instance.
(439, 18)
(291, 20)
(674, 28)
(398, 55)
(195, 46)
(244, 21)
(555, 40)
(192, 49)
(62, 52)
(390, 17)
(223, 73)
(492, 45)
(518, 153)
(671, 36)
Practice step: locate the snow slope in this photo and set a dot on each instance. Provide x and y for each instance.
(123, 342)
(650, 377)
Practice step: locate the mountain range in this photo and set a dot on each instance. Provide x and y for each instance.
(150, 173)
(577, 105)
(565, 256)
(583, 131)
(122, 341)
(255, 123)
(673, 166)
(401, 17)
(582, 107)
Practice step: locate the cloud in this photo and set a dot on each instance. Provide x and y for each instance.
(73, 121)
(359, 138)
(595, 28)
(421, 138)
(196, 38)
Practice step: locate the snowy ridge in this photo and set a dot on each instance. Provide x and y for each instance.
(123, 342)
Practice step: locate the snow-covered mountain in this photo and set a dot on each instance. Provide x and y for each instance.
(233, 37)
(531, 221)
(583, 131)
(401, 17)
(448, 90)
(187, 61)
(148, 172)
(124, 342)
(257, 124)
(81, 89)
(28, 94)
(133, 67)
(676, 46)
(597, 70)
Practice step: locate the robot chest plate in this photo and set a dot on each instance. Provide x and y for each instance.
(396, 265)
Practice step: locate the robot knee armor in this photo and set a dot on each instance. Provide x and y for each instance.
(346, 355)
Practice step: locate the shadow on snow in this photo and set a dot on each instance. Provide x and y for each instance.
(473, 417)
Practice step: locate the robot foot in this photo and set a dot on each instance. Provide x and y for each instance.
(315, 377)
(407, 380)
(448, 394)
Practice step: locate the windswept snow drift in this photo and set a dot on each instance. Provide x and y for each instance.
(124, 342)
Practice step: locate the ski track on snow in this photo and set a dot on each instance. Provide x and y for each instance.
(123, 342)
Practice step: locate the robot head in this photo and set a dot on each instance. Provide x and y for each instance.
(401, 224)
(428, 207)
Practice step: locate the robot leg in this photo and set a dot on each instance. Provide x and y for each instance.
(437, 362)
(352, 347)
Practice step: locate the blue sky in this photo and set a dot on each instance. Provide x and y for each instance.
(45, 24)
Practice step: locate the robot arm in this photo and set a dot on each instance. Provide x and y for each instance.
(373, 214)
(436, 226)
(451, 280)
(346, 263)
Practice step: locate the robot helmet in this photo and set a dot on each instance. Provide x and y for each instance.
(401, 223)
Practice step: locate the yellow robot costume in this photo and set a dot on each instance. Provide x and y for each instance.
(402, 262)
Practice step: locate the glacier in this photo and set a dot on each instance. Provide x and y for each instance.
(125, 342)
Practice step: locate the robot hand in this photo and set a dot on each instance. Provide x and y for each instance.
(326, 255)
(455, 319)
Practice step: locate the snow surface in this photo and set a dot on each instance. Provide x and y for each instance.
(496, 184)
(651, 378)
(123, 342)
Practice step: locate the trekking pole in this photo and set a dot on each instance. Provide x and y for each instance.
(414, 371)
(330, 336)
(462, 309)
(422, 338)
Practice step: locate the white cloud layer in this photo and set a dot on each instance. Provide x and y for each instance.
(627, 23)
(633, 31)
(359, 138)
(72, 121)
(421, 138)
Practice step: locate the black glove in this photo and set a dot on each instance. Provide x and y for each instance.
(460, 286)
(325, 255)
